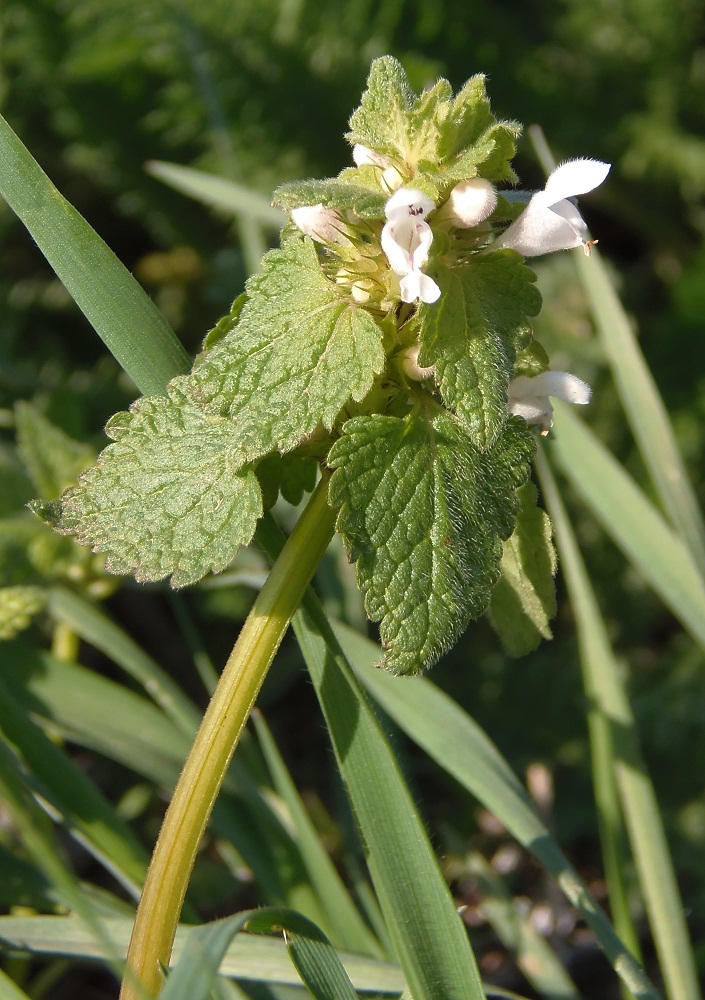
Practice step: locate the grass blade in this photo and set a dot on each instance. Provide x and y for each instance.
(120, 311)
(218, 192)
(94, 626)
(344, 924)
(428, 935)
(642, 402)
(647, 835)
(630, 520)
(251, 958)
(531, 952)
(427, 715)
(79, 802)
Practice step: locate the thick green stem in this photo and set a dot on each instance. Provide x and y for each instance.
(195, 793)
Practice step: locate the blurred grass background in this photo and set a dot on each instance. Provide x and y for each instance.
(260, 92)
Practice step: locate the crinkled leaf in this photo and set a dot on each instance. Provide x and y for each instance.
(169, 497)
(472, 335)
(471, 137)
(52, 459)
(301, 351)
(532, 361)
(524, 600)
(382, 121)
(290, 475)
(423, 513)
(224, 325)
(18, 606)
(334, 193)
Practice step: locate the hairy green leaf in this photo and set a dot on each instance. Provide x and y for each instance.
(423, 512)
(472, 335)
(300, 351)
(524, 600)
(470, 137)
(169, 497)
(382, 121)
(333, 193)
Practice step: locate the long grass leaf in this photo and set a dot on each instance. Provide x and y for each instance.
(35, 831)
(631, 520)
(251, 958)
(427, 716)
(117, 307)
(648, 838)
(94, 626)
(428, 936)
(10, 990)
(343, 925)
(530, 950)
(642, 402)
(218, 192)
(81, 805)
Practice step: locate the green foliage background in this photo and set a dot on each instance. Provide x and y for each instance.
(260, 92)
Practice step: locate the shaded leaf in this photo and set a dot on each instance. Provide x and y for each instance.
(524, 599)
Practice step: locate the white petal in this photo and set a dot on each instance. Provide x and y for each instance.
(399, 256)
(540, 230)
(321, 224)
(428, 289)
(573, 178)
(537, 411)
(561, 385)
(408, 201)
(471, 202)
(410, 286)
(361, 155)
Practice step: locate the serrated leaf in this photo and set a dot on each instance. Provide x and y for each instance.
(18, 606)
(382, 121)
(341, 194)
(470, 137)
(226, 324)
(423, 513)
(301, 351)
(169, 497)
(290, 475)
(524, 600)
(472, 335)
(52, 459)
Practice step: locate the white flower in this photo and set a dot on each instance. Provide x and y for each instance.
(322, 224)
(470, 202)
(528, 397)
(390, 178)
(362, 154)
(406, 239)
(410, 363)
(551, 222)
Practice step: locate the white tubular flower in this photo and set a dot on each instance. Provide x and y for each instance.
(322, 224)
(551, 222)
(362, 154)
(470, 202)
(406, 239)
(410, 364)
(390, 178)
(529, 397)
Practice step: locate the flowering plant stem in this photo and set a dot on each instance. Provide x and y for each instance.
(225, 718)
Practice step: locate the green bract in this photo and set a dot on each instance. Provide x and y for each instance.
(324, 360)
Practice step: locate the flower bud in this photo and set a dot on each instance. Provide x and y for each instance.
(322, 224)
(470, 202)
